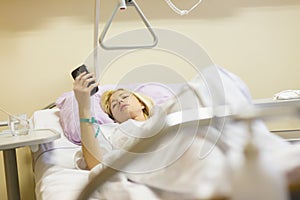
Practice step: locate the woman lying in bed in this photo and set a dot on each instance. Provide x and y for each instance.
(122, 106)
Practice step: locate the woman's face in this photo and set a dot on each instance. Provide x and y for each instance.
(124, 105)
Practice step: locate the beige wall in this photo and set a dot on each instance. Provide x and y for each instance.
(42, 41)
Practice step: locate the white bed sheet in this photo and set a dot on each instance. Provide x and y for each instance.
(56, 176)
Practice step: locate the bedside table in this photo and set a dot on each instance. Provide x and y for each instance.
(9, 144)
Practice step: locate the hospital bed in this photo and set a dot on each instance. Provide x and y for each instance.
(60, 174)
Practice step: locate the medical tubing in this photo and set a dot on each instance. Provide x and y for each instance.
(181, 12)
(11, 115)
(91, 120)
(4, 111)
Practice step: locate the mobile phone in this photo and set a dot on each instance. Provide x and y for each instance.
(81, 69)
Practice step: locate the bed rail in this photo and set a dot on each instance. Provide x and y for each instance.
(50, 106)
(3, 123)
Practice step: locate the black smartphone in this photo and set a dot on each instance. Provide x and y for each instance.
(81, 69)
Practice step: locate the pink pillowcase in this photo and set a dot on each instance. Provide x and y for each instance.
(69, 116)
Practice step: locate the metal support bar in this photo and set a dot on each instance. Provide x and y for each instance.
(11, 174)
(103, 34)
(96, 35)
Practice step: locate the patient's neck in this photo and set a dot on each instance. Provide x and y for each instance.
(140, 116)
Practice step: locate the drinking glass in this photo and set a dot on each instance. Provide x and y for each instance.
(18, 124)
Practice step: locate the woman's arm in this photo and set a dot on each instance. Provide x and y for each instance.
(90, 147)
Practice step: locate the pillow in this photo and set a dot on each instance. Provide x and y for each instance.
(69, 116)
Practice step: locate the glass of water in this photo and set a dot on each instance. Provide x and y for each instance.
(18, 124)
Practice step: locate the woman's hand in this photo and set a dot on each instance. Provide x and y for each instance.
(82, 91)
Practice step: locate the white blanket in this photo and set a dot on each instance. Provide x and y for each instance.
(194, 166)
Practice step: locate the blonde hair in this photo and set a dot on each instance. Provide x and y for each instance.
(105, 104)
